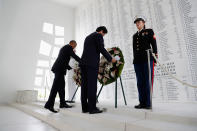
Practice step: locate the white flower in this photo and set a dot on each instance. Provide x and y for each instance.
(104, 80)
(119, 62)
(116, 52)
(110, 65)
(101, 69)
(107, 76)
(117, 57)
(99, 77)
(107, 68)
(113, 55)
(109, 49)
(113, 74)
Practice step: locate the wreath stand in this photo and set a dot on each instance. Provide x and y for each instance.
(115, 92)
(102, 89)
(74, 94)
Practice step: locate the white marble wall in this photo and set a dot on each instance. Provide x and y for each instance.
(175, 26)
(21, 31)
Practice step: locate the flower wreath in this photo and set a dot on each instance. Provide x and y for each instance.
(108, 71)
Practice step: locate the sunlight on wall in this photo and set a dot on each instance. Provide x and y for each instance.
(48, 52)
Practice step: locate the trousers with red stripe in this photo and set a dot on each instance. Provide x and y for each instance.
(142, 75)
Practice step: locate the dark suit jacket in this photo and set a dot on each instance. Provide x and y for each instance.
(62, 62)
(93, 46)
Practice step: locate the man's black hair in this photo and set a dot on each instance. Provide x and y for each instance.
(102, 28)
(72, 41)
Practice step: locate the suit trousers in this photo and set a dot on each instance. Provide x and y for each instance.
(88, 88)
(57, 87)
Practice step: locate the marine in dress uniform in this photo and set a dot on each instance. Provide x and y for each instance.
(60, 68)
(143, 39)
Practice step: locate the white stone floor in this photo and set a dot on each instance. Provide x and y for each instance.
(188, 109)
(163, 117)
(12, 119)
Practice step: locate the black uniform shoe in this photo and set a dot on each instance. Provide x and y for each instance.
(51, 109)
(139, 106)
(96, 111)
(64, 105)
(148, 107)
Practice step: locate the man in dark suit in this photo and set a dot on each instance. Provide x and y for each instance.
(59, 69)
(93, 46)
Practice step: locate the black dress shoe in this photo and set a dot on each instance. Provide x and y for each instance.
(96, 111)
(51, 109)
(139, 106)
(70, 101)
(64, 105)
(86, 111)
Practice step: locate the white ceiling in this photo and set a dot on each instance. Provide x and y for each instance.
(71, 3)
